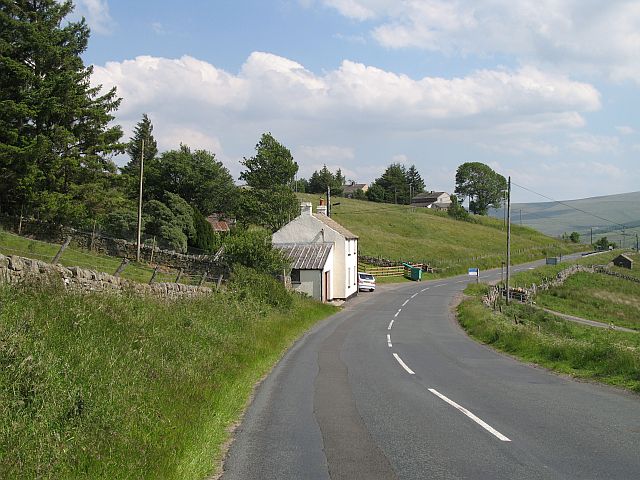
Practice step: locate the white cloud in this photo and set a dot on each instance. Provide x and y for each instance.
(594, 144)
(625, 130)
(587, 35)
(270, 87)
(97, 14)
(333, 115)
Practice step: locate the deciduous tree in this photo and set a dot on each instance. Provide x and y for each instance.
(481, 184)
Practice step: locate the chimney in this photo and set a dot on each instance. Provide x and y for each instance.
(305, 208)
(322, 209)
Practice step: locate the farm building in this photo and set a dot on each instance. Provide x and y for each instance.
(623, 261)
(434, 200)
(305, 241)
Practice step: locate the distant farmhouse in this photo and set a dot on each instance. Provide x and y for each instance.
(323, 254)
(434, 200)
(350, 189)
(220, 224)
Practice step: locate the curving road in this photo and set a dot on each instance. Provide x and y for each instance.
(391, 387)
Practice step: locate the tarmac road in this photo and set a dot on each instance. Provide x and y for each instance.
(391, 387)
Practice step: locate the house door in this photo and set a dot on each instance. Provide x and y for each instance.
(327, 288)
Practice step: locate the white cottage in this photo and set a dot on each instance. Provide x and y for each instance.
(338, 265)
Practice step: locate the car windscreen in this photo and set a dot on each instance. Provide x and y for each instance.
(364, 276)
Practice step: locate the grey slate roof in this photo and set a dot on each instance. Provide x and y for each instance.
(306, 256)
(331, 223)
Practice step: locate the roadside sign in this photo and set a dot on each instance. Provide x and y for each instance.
(475, 272)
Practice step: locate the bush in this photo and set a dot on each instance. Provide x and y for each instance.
(248, 283)
(253, 249)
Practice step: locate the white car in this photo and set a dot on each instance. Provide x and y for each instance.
(366, 281)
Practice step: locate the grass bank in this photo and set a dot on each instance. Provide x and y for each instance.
(399, 232)
(535, 336)
(106, 387)
(593, 296)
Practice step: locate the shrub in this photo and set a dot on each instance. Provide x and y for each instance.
(247, 283)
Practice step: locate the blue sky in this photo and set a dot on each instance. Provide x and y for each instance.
(543, 90)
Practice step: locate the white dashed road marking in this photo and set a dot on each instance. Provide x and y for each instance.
(403, 365)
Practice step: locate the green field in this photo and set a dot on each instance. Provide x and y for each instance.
(115, 387)
(593, 296)
(535, 336)
(399, 232)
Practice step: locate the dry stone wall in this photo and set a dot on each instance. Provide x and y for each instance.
(114, 247)
(16, 270)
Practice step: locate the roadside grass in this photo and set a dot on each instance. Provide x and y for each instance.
(607, 356)
(105, 387)
(399, 232)
(12, 244)
(595, 296)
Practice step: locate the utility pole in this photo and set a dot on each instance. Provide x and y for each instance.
(328, 200)
(140, 201)
(637, 243)
(508, 236)
(591, 235)
(520, 217)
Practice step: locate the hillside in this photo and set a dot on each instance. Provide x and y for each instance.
(399, 232)
(555, 219)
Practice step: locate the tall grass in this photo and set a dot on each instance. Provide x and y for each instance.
(536, 336)
(107, 387)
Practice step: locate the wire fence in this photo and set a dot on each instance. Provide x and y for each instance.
(74, 256)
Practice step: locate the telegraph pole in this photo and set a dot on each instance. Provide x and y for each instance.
(140, 201)
(328, 200)
(508, 236)
(591, 235)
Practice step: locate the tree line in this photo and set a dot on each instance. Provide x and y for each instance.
(57, 144)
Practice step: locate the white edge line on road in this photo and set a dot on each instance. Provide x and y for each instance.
(461, 281)
(480, 422)
(424, 289)
(414, 295)
(390, 325)
(403, 365)
(389, 340)
(441, 285)
(397, 313)
(405, 302)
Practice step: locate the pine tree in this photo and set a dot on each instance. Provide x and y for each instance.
(143, 131)
(415, 180)
(54, 126)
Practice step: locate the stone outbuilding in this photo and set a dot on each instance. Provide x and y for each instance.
(623, 261)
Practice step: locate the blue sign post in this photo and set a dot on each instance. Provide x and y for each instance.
(475, 272)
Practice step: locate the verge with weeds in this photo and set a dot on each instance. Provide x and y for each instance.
(535, 336)
(103, 386)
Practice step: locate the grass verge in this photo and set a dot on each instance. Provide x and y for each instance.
(107, 387)
(596, 354)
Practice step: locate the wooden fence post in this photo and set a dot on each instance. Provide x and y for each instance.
(63, 247)
(153, 276)
(120, 269)
(179, 276)
(93, 236)
(153, 248)
(204, 277)
(219, 282)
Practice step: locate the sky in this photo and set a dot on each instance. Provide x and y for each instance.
(544, 91)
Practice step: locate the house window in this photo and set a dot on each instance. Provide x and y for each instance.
(295, 276)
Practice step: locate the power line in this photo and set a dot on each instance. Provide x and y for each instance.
(570, 206)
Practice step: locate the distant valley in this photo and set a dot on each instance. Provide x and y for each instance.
(606, 215)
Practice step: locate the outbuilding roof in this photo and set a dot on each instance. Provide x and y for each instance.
(331, 223)
(306, 256)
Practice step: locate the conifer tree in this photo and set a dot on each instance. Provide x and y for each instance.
(143, 131)
(54, 126)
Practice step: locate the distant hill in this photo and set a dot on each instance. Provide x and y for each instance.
(555, 219)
